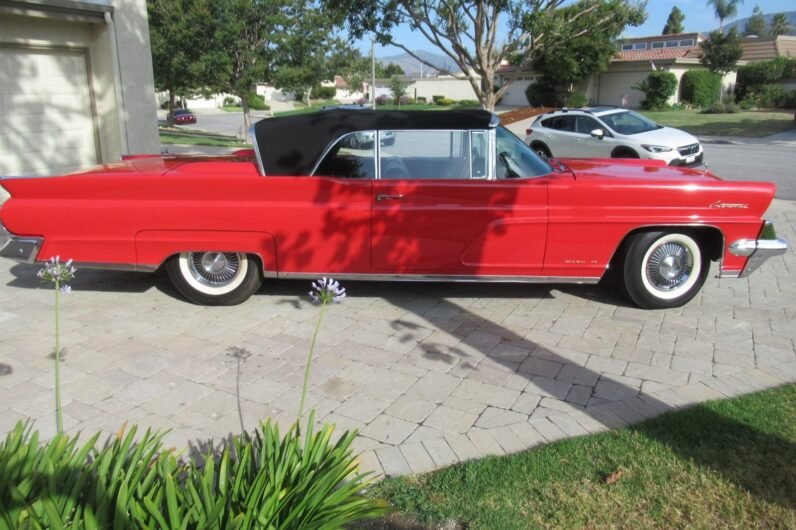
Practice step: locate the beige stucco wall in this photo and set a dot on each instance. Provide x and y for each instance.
(452, 88)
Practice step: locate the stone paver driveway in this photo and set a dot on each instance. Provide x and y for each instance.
(430, 374)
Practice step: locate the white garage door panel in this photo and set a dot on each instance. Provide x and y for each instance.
(614, 85)
(515, 95)
(45, 113)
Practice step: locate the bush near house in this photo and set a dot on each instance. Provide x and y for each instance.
(257, 102)
(758, 84)
(324, 92)
(700, 88)
(659, 86)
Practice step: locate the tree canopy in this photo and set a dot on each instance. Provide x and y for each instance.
(779, 25)
(674, 24)
(724, 9)
(481, 35)
(721, 52)
(756, 24)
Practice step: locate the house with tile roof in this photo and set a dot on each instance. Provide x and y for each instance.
(633, 62)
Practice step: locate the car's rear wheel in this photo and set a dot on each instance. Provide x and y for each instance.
(663, 269)
(541, 149)
(215, 278)
(624, 153)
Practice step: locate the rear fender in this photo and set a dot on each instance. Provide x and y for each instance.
(154, 247)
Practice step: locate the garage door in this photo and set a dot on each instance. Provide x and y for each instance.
(515, 95)
(46, 124)
(614, 84)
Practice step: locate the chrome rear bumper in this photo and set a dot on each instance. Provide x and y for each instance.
(19, 248)
(759, 250)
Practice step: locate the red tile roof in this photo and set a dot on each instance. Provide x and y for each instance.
(694, 52)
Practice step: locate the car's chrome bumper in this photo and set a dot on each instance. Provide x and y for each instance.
(759, 250)
(22, 248)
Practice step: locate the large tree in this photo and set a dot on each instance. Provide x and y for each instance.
(240, 36)
(756, 24)
(564, 63)
(674, 24)
(175, 48)
(480, 35)
(721, 52)
(779, 25)
(724, 9)
(303, 56)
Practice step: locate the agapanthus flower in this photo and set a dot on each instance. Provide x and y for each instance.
(327, 290)
(58, 273)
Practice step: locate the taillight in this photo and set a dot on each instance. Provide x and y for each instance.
(528, 131)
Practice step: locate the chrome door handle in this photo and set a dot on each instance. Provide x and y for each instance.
(389, 197)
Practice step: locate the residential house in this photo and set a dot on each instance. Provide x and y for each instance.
(76, 84)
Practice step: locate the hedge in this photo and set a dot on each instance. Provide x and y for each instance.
(700, 88)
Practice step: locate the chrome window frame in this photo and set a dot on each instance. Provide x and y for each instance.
(337, 140)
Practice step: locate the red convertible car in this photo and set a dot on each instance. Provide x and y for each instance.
(452, 197)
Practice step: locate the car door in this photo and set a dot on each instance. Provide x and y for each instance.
(588, 146)
(437, 209)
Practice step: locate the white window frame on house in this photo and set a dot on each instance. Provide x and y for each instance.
(640, 46)
(672, 43)
(657, 45)
(686, 43)
(627, 47)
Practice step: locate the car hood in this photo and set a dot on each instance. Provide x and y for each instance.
(634, 169)
(666, 136)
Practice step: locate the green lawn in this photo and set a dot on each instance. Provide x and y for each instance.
(725, 464)
(237, 108)
(754, 124)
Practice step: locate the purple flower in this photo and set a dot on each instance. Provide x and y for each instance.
(58, 273)
(327, 290)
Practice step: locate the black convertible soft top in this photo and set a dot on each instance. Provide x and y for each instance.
(292, 145)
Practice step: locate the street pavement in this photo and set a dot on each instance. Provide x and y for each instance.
(430, 374)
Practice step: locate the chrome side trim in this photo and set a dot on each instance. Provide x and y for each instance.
(729, 274)
(256, 150)
(123, 267)
(494, 121)
(23, 249)
(433, 278)
(758, 250)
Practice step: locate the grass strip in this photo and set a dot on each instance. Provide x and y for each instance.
(723, 464)
(750, 124)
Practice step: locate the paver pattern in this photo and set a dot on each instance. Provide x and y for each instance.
(431, 374)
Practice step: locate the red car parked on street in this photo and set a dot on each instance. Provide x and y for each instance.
(183, 116)
(455, 197)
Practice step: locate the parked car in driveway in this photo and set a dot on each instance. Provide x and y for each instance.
(611, 132)
(456, 197)
(183, 117)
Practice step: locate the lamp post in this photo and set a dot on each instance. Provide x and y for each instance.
(373, 72)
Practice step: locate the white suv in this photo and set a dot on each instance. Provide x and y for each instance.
(610, 132)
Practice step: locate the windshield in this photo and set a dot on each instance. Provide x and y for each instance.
(515, 159)
(629, 122)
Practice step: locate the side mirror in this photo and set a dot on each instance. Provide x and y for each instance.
(598, 133)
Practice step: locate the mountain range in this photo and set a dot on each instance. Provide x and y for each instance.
(412, 67)
(740, 23)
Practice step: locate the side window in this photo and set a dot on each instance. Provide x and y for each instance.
(564, 123)
(478, 156)
(424, 154)
(352, 157)
(585, 125)
(548, 123)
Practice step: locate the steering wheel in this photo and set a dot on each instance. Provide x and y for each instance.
(394, 168)
(505, 160)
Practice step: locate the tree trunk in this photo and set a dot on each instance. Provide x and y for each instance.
(487, 96)
(172, 104)
(247, 117)
(309, 93)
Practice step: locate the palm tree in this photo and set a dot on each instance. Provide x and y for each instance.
(779, 25)
(724, 9)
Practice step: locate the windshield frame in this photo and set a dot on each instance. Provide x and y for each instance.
(524, 149)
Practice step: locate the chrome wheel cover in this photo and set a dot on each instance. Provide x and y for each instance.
(669, 266)
(215, 269)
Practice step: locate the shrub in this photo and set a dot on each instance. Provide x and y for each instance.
(469, 102)
(700, 87)
(324, 92)
(405, 100)
(542, 94)
(421, 99)
(445, 102)
(230, 101)
(659, 86)
(383, 99)
(577, 100)
(767, 96)
(259, 481)
(721, 108)
(437, 98)
(257, 102)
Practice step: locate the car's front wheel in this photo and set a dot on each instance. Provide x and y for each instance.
(215, 278)
(663, 269)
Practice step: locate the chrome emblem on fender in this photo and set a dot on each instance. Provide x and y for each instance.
(731, 205)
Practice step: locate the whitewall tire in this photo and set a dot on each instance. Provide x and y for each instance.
(215, 278)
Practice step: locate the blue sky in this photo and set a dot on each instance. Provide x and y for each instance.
(698, 17)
